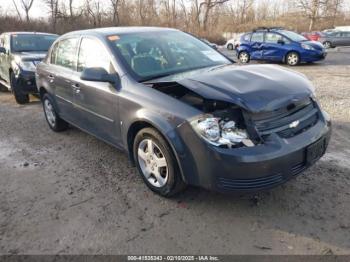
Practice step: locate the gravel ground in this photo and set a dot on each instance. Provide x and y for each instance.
(70, 193)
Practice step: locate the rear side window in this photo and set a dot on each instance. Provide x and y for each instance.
(246, 37)
(64, 53)
(258, 37)
(93, 54)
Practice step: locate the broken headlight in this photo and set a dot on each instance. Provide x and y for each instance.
(220, 132)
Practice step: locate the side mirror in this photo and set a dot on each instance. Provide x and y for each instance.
(99, 74)
(280, 41)
(2, 50)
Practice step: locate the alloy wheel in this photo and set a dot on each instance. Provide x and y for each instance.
(50, 113)
(152, 163)
(327, 45)
(293, 59)
(244, 57)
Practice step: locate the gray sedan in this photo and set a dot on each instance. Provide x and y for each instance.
(334, 39)
(184, 113)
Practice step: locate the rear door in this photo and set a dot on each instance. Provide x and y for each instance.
(346, 39)
(97, 102)
(256, 45)
(63, 64)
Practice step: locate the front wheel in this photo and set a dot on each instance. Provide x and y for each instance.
(244, 57)
(55, 122)
(156, 163)
(292, 59)
(19, 97)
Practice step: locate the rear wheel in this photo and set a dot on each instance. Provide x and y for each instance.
(244, 57)
(292, 59)
(230, 46)
(19, 97)
(55, 122)
(327, 44)
(156, 163)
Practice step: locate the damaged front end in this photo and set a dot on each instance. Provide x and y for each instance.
(221, 124)
(227, 125)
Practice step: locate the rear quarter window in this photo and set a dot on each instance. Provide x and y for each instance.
(246, 37)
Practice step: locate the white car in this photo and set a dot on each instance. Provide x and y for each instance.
(234, 42)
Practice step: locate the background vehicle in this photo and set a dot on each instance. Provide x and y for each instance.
(336, 38)
(276, 44)
(184, 113)
(20, 52)
(233, 43)
(312, 36)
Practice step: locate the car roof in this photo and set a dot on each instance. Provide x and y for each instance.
(107, 31)
(27, 33)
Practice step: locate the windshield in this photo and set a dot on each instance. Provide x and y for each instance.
(294, 36)
(151, 55)
(31, 42)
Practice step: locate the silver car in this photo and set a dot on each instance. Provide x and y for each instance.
(334, 39)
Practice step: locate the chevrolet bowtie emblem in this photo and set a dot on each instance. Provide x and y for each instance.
(294, 124)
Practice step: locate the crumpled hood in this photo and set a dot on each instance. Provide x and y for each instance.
(31, 56)
(255, 88)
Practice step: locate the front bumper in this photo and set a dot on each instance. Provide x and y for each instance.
(313, 55)
(248, 168)
(25, 83)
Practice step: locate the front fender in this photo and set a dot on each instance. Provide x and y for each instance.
(164, 124)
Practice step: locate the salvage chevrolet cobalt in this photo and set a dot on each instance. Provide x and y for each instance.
(184, 113)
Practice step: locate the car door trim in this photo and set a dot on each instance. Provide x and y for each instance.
(92, 112)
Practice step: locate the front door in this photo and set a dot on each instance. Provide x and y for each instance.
(274, 46)
(97, 102)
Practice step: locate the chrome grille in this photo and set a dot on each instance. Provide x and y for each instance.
(287, 122)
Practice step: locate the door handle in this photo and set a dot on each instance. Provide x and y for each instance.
(76, 88)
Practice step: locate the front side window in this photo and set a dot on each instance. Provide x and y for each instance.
(65, 54)
(258, 37)
(92, 54)
(156, 54)
(31, 42)
(294, 36)
(272, 38)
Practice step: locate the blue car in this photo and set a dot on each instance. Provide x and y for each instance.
(279, 45)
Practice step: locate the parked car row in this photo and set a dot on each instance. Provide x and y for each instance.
(184, 113)
(20, 52)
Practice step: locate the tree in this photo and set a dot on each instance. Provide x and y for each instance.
(115, 11)
(312, 9)
(54, 12)
(26, 5)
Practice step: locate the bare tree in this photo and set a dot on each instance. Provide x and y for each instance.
(312, 9)
(115, 11)
(54, 12)
(26, 5)
(17, 10)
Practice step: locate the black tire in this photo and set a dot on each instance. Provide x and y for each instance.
(174, 183)
(230, 46)
(327, 44)
(59, 124)
(292, 59)
(244, 57)
(19, 97)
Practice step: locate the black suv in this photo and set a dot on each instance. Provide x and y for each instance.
(20, 52)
